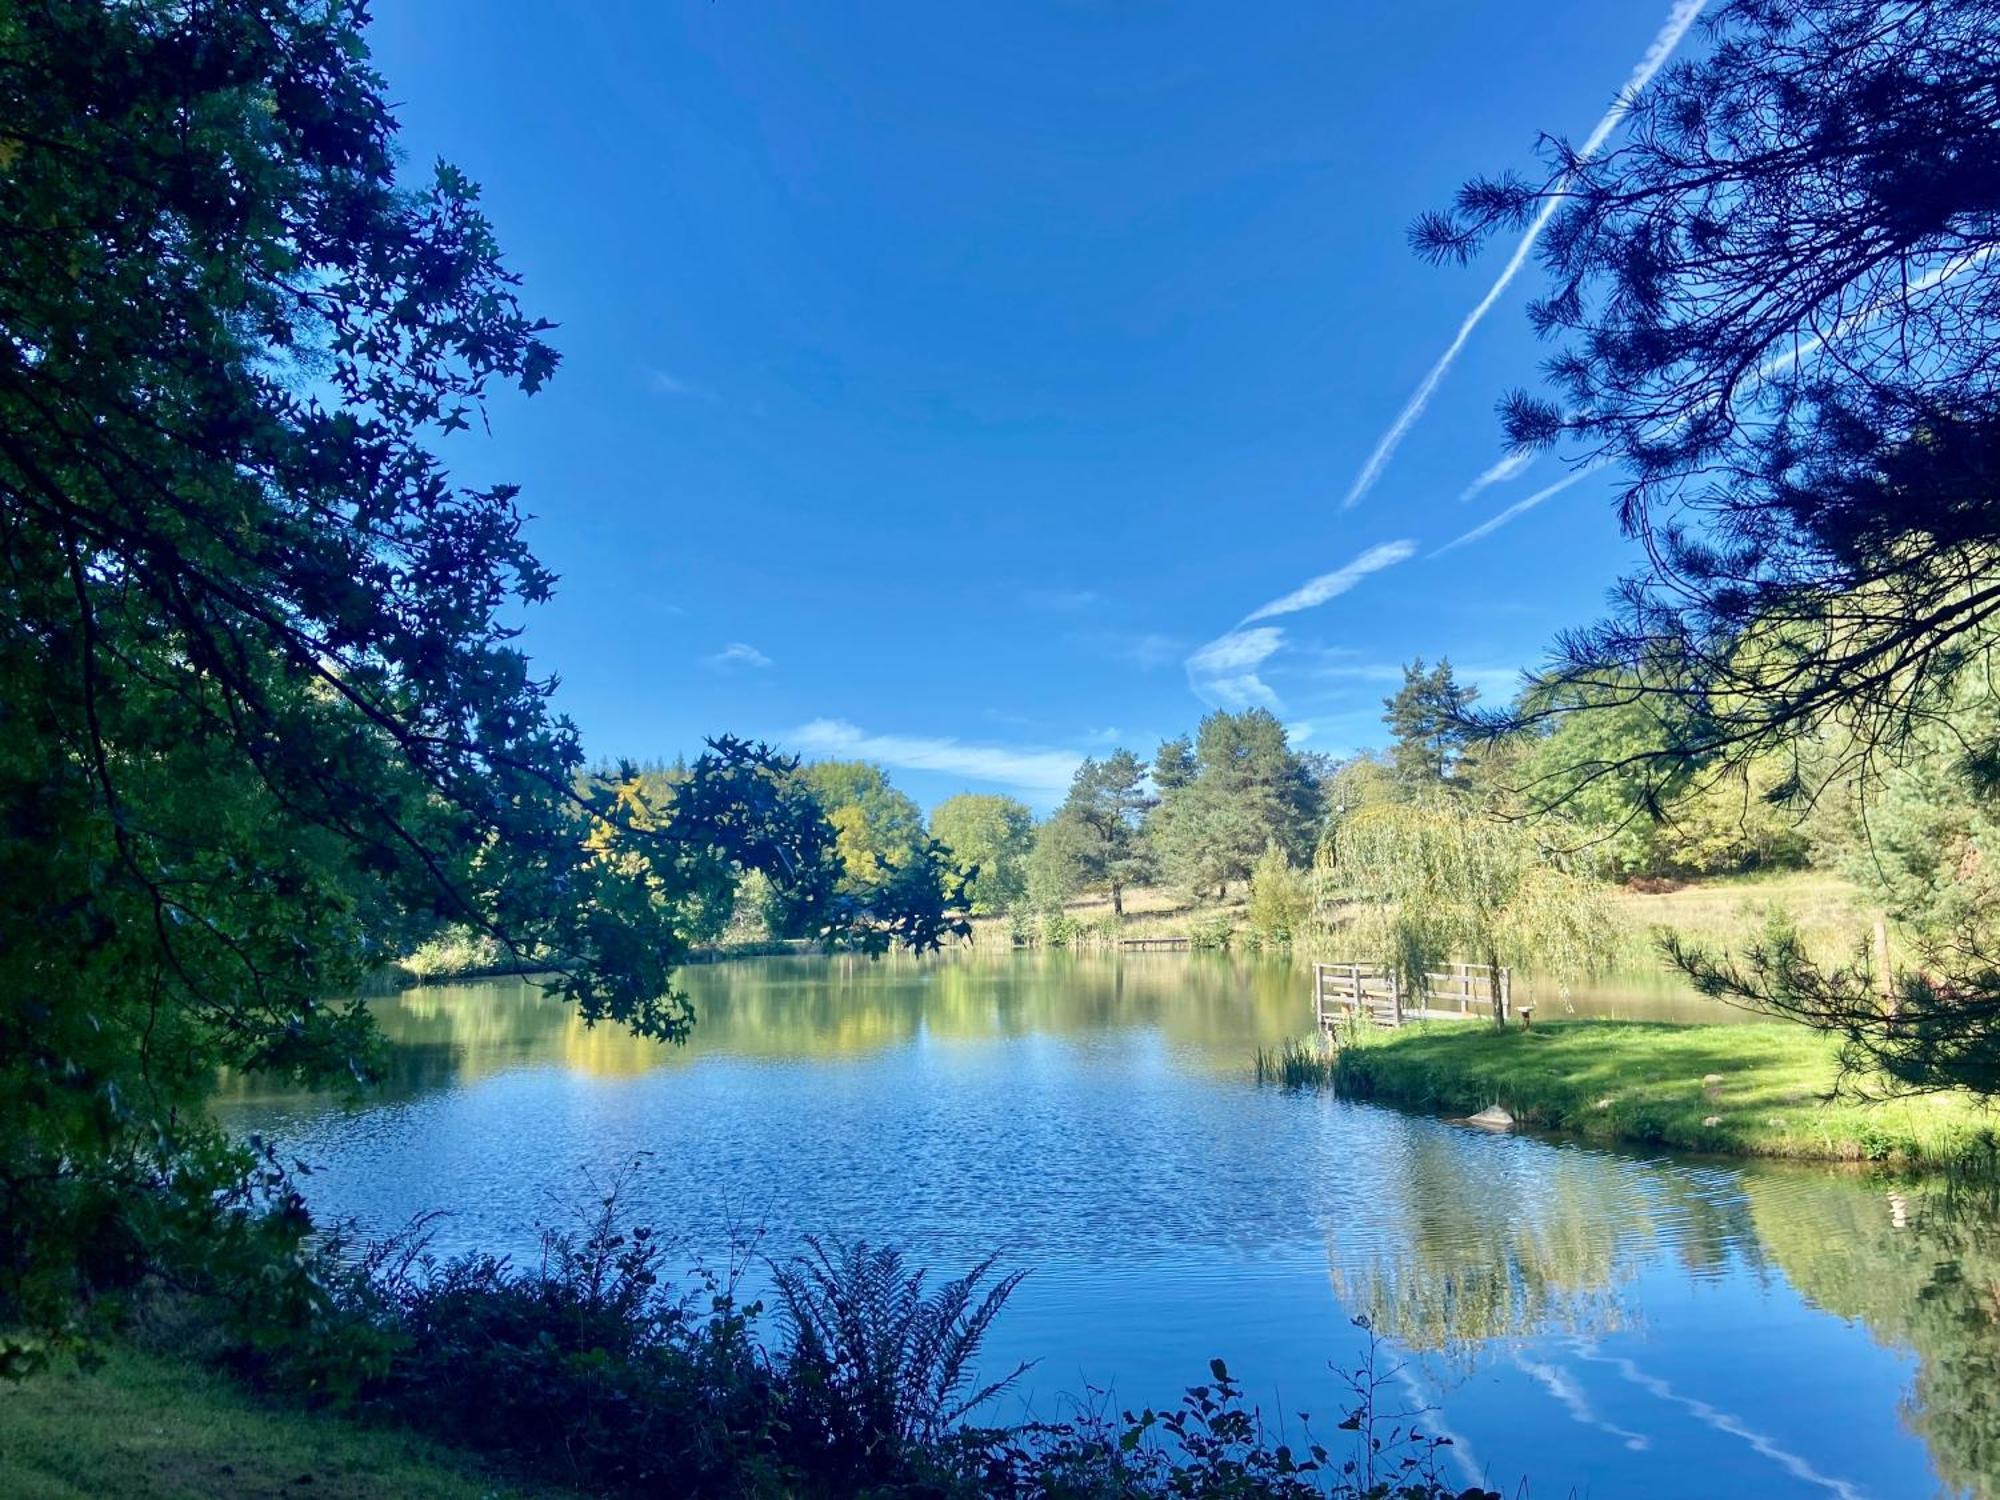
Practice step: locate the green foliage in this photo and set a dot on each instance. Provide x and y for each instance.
(877, 828)
(994, 836)
(1810, 473)
(1281, 898)
(1211, 933)
(1097, 839)
(875, 1367)
(1597, 766)
(1440, 879)
(1427, 721)
(589, 1367)
(1239, 789)
(267, 724)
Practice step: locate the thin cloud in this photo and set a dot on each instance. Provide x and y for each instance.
(663, 384)
(1144, 649)
(1797, 355)
(738, 654)
(1331, 585)
(1679, 19)
(1061, 601)
(1036, 770)
(1520, 508)
(1507, 468)
(1224, 672)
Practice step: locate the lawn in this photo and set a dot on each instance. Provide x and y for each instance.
(1749, 1090)
(148, 1426)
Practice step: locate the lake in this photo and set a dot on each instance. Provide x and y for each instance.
(1612, 1324)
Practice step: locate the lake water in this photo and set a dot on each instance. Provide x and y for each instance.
(1595, 1322)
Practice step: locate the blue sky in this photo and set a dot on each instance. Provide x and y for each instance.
(975, 387)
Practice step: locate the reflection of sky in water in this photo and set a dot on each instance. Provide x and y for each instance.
(1580, 1317)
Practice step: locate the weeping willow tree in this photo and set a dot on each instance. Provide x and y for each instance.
(1434, 881)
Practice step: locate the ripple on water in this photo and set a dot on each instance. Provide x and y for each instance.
(1624, 1323)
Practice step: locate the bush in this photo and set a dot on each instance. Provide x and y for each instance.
(1211, 932)
(588, 1368)
(1281, 901)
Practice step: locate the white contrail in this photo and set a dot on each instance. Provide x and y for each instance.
(1794, 356)
(1664, 42)
(1507, 468)
(1521, 507)
(1317, 591)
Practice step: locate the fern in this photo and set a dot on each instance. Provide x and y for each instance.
(877, 1365)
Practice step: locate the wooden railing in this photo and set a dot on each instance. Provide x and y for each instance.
(1374, 993)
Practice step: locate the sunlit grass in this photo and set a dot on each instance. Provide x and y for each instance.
(1830, 915)
(1751, 1090)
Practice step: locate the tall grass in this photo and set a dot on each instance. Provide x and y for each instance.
(1296, 1063)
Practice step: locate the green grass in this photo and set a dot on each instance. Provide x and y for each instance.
(143, 1425)
(1748, 1090)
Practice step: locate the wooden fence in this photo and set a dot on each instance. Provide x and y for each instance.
(1374, 993)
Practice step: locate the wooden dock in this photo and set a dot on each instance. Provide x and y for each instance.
(1154, 944)
(1374, 993)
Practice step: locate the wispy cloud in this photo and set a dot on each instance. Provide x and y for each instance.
(1679, 19)
(1144, 649)
(1507, 468)
(738, 654)
(1224, 673)
(1793, 357)
(1327, 586)
(1520, 508)
(1060, 601)
(664, 384)
(1028, 769)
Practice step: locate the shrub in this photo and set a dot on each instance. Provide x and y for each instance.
(1211, 932)
(875, 1370)
(589, 1369)
(1281, 901)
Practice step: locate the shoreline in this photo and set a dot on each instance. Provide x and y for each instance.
(1752, 1090)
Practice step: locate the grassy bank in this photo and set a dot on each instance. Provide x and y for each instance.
(1749, 1090)
(147, 1425)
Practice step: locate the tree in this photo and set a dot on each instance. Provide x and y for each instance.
(1427, 720)
(1706, 822)
(1779, 295)
(1439, 880)
(994, 836)
(264, 711)
(878, 828)
(1236, 791)
(1097, 839)
(1281, 901)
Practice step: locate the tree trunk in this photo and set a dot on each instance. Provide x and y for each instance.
(1493, 980)
(1117, 900)
(1885, 982)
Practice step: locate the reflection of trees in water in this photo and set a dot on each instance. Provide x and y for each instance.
(1919, 1265)
(849, 1007)
(1514, 1244)
(1220, 1007)
(1487, 1256)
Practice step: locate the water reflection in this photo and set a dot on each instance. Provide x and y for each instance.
(1219, 1007)
(1624, 1323)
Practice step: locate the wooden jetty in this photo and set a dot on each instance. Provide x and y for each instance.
(1154, 944)
(1345, 993)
